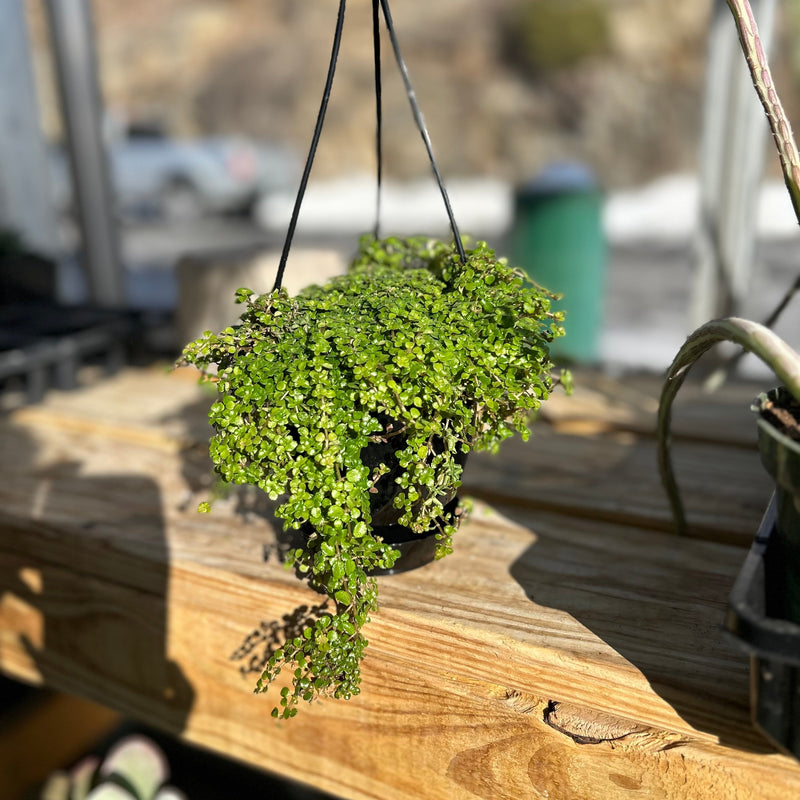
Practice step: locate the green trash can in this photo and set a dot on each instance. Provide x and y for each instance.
(557, 239)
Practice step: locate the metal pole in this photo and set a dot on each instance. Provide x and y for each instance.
(72, 36)
(732, 155)
(26, 197)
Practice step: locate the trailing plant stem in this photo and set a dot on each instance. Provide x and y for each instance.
(753, 337)
(762, 80)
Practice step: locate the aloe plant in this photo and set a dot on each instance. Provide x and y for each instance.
(753, 337)
(760, 73)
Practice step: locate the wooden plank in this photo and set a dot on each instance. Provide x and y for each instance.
(603, 404)
(167, 409)
(470, 687)
(614, 477)
(160, 408)
(577, 464)
(556, 653)
(497, 604)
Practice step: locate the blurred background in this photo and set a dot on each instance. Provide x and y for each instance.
(202, 111)
(150, 153)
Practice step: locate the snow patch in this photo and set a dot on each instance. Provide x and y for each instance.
(664, 211)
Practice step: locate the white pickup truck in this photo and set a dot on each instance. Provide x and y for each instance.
(154, 175)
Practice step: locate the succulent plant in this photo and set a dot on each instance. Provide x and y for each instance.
(134, 769)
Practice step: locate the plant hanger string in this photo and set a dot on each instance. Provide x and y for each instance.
(382, 6)
(326, 96)
(376, 39)
(420, 122)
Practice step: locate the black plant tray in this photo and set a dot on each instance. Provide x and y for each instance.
(43, 344)
(773, 644)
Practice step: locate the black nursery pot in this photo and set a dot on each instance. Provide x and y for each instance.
(772, 643)
(416, 549)
(780, 456)
(764, 604)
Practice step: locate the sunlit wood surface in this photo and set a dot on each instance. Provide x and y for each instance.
(570, 648)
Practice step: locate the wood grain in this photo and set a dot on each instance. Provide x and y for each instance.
(614, 477)
(602, 404)
(476, 709)
(557, 653)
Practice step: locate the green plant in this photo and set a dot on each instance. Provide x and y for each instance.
(364, 394)
(753, 337)
(548, 35)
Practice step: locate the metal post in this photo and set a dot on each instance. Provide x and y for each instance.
(72, 36)
(731, 167)
(26, 198)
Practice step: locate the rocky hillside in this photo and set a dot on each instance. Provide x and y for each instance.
(619, 85)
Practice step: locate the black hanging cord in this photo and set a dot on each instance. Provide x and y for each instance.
(412, 98)
(376, 38)
(337, 40)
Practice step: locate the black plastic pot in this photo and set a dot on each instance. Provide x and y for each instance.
(763, 604)
(780, 456)
(772, 643)
(416, 549)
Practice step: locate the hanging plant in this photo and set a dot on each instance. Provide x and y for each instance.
(355, 403)
(362, 396)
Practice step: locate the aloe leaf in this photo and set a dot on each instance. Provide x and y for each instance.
(765, 88)
(110, 791)
(82, 777)
(57, 787)
(170, 793)
(140, 763)
(754, 338)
